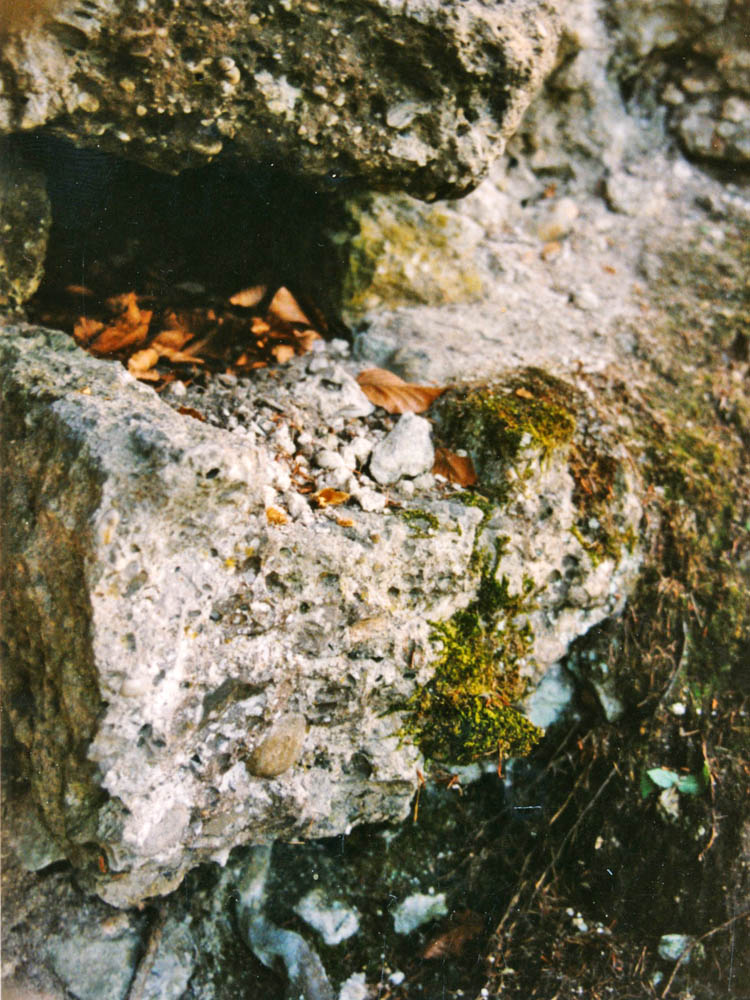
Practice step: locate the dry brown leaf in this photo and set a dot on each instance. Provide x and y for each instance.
(120, 337)
(345, 522)
(130, 329)
(329, 497)
(188, 411)
(258, 327)
(455, 468)
(174, 338)
(248, 297)
(86, 329)
(453, 941)
(284, 308)
(385, 389)
(187, 357)
(306, 338)
(276, 516)
(141, 363)
(524, 393)
(282, 353)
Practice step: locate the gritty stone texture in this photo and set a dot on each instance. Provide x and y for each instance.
(416, 910)
(332, 919)
(93, 968)
(696, 59)
(227, 680)
(406, 451)
(418, 96)
(25, 220)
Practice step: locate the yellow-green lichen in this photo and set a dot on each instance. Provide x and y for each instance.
(466, 711)
(405, 253)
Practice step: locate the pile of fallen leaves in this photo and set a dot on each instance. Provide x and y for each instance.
(251, 330)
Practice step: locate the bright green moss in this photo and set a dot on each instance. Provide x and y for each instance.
(466, 711)
(422, 522)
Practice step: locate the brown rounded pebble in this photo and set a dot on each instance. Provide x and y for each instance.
(280, 748)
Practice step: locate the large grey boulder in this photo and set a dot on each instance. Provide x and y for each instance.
(418, 95)
(189, 669)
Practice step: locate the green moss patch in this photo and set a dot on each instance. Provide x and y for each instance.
(466, 711)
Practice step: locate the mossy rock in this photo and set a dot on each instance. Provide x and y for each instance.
(503, 426)
(468, 711)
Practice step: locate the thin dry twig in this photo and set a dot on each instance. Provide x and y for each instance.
(686, 953)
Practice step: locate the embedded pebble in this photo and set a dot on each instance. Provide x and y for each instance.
(280, 748)
(298, 507)
(671, 947)
(354, 988)
(361, 448)
(406, 451)
(558, 220)
(327, 459)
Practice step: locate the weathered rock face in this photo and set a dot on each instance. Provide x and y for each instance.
(25, 220)
(419, 96)
(188, 673)
(696, 59)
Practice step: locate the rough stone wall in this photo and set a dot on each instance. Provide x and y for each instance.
(419, 96)
(695, 58)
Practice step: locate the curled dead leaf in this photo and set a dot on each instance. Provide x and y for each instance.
(284, 308)
(455, 468)
(329, 497)
(259, 327)
(466, 926)
(188, 411)
(282, 353)
(173, 338)
(86, 329)
(248, 297)
(141, 363)
(276, 516)
(385, 389)
(306, 338)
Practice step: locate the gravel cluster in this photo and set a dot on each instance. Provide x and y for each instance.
(322, 431)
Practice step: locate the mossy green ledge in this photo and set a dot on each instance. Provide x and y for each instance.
(558, 551)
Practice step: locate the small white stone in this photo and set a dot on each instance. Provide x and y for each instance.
(406, 451)
(283, 440)
(361, 448)
(678, 708)
(369, 500)
(280, 476)
(416, 910)
(332, 919)
(328, 459)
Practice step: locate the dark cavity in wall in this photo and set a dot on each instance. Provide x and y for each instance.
(120, 227)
